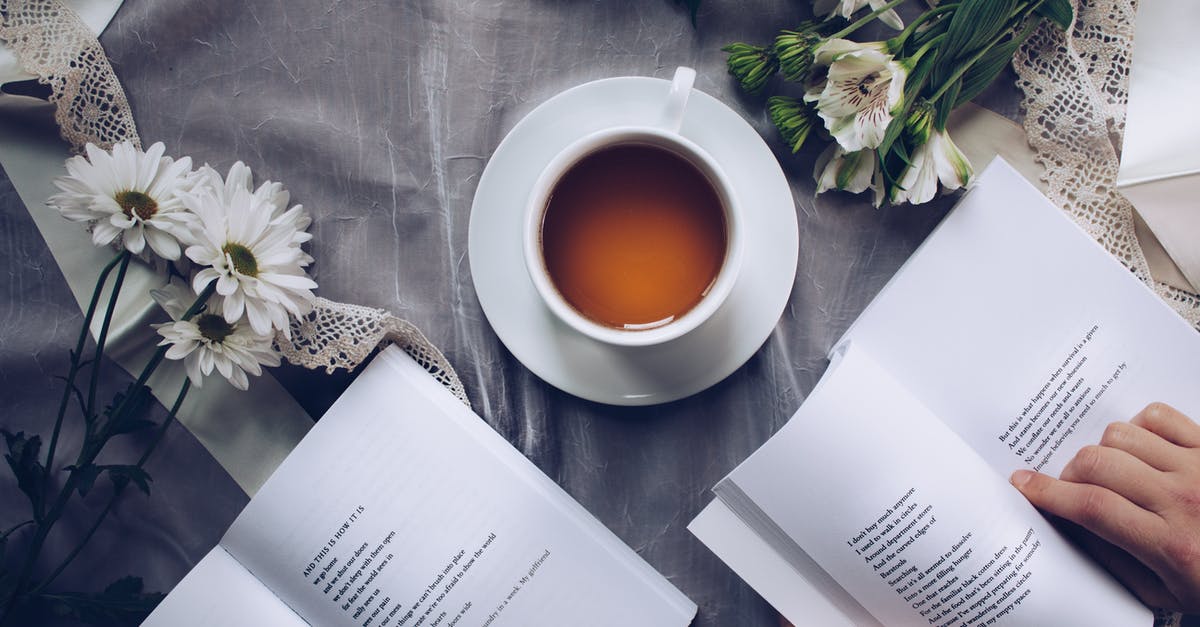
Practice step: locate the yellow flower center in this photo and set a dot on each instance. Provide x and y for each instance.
(214, 328)
(242, 258)
(132, 202)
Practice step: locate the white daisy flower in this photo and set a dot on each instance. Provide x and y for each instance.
(936, 160)
(252, 251)
(853, 172)
(269, 192)
(129, 194)
(863, 90)
(847, 8)
(208, 341)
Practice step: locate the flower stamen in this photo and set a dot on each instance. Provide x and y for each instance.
(134, 202)
(214, 328)
(242, 259)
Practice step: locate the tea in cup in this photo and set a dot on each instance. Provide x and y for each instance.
(632, 234)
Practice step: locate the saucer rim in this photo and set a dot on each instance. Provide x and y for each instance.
(531, 352)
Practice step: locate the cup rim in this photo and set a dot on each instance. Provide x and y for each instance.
(537, 204)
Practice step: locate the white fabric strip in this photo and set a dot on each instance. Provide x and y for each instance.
(249, 433)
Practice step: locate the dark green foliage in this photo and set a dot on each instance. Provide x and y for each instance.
(22, 458)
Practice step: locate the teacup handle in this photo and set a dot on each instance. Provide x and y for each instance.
(681, 88)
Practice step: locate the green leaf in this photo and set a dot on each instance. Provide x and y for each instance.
(946, 104)
(121, 603)
(989, 66)
(128, 419)
(975, 23)
(87, 477)
(1058, 11)
(121, 475)
(22, 458)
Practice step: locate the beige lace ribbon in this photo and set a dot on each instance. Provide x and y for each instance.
(52, 42)
(1076, 89)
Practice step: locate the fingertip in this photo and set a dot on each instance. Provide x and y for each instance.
(1021, 478)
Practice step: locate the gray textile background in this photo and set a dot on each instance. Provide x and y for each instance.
(379, 117)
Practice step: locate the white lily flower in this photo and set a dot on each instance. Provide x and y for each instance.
(207, 341)
(847, 8)
(853, 172)
(834, 48)
(937, 160)
(863, 90)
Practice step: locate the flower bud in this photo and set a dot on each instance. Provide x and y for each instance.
(751, 65)
(919, 124)
(795, 50)
(793, 119)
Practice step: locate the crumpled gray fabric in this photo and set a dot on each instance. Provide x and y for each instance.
(379, 116)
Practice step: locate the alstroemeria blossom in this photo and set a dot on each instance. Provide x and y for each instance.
(863, 89)
(129, 194)
(251, 246)
(208, 341)
(936, 160)
(853, 172)
(847, 8)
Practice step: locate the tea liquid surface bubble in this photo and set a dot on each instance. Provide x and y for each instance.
(633, 236)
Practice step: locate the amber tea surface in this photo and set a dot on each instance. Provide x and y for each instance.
(633, 236)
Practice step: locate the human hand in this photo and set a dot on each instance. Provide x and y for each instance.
(1138, 492)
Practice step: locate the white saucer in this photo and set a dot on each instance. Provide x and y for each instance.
(600, 372)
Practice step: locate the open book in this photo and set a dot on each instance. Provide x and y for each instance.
(402, 508)
(1009, 340)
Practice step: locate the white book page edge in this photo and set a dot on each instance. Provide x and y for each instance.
(720, 529)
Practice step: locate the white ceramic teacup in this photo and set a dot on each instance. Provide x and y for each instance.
(664, 135)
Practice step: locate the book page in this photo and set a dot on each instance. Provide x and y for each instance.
(403, 509)
(910, 521)
(758, 564)
(1023, 335)
(219, 591)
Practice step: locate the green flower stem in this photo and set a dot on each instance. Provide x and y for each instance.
(117, 491)
(10, 530)
(152, 365)
(865, 20)
(916, 57)
(75, 362)
(90, 408)
(87, 455)
(897, 42)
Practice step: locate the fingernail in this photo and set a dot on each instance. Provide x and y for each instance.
(1020, 478)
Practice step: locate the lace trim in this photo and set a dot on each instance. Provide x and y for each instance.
(340, 335)
(53, 43)
(1076, 89)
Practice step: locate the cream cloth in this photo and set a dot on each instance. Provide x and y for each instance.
(1160, 166)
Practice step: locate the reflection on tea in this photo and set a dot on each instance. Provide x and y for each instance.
(633, 236)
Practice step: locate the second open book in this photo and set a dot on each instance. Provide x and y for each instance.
(1009, 340)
